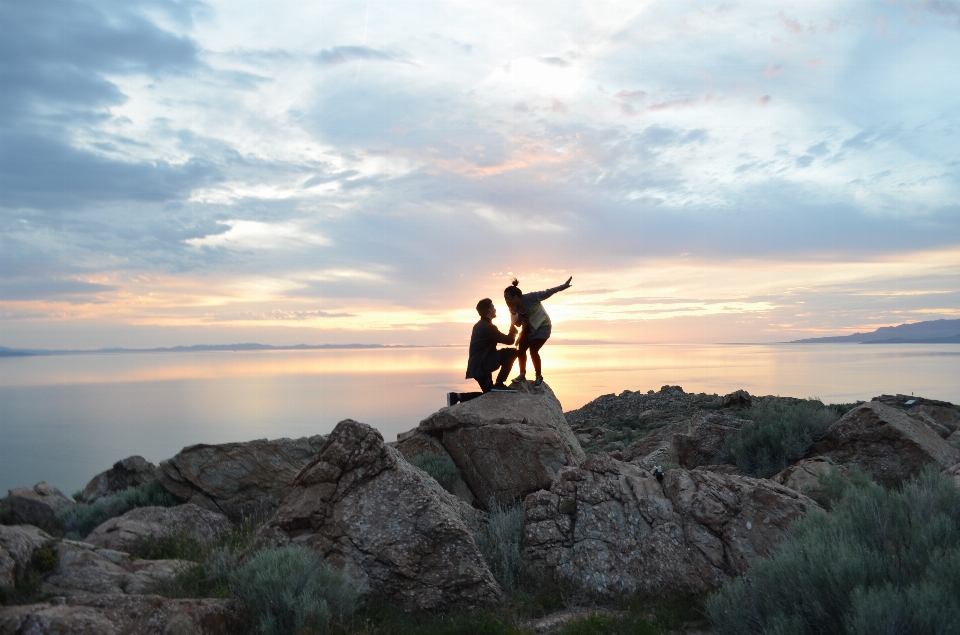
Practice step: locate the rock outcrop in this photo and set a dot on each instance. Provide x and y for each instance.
(17, 544)
(954, 473)
(127, 532)
(132, 471)
(413, 444)
(40, 505)
(689, 443)
(116, 614)
(885, 443)
(611, 528)
(804, 476)
(506, 445)
(83, 569)
(238, 479)
(387, 525)
(736, 399)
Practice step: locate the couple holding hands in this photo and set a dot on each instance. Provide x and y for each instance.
(527, 316)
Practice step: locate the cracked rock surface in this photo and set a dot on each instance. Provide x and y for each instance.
(238, 479)
(506, 445)
(611, 528)
(387, 525)
(127, 532)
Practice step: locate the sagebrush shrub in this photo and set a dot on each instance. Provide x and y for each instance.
(80, 520)
(882, 561)
(289, 589)
(441, 468)
(499, 543)
(779, 434)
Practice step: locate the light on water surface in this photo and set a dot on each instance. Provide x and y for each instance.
(65, 418)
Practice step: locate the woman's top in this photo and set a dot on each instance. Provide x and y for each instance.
(534, 317)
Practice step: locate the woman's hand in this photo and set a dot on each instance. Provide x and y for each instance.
(567, 283)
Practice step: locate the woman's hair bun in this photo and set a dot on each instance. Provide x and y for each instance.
(515, 282)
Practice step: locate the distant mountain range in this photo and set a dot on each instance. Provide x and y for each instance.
(930, 332)
(13, 352)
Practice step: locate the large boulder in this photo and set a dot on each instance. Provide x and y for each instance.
(413, 445)
(132, 471)
(690, 443)
(116, 614)
(387, 525)
(17, 545)
(611, 528)
(804, 476)
(954, 473)
(885, 443)
(238, 479)
(127, 532)
(506, 445)
(41, 505)
(84, 569)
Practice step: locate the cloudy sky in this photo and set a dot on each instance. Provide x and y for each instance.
(284, 172)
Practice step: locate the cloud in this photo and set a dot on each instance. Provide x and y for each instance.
(253, 235)
(341, 54)
(764, 100)
(773, 70)
(555, 61)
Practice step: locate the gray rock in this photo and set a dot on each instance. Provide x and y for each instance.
(84, 569)
(507, 444)
(238, 479)
(804, 476)
(885, 443)
(736, 399)
(127, 614)
(414, 444)
(692, 443)
(385, 524)
(40, 505)
(611, 528)
(17, 544)
(132, 471)
(954, 473)
(127, 532)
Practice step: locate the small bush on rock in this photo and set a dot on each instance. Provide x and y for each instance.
(290, 589)
(500, 545)
(80, 520)
(779, 435)
(441, 468)
(883, 561)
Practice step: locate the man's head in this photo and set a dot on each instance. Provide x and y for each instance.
(486, 309)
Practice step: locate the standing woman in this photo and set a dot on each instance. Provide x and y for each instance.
(528, 313)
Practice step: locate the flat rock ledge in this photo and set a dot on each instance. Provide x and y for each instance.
(386, 524)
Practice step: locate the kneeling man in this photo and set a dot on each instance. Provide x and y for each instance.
(484, 356)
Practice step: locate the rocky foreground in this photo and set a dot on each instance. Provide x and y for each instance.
(650, 507)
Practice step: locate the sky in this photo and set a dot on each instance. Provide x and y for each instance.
(187, 172)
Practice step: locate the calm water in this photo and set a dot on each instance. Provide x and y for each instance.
(63, 419)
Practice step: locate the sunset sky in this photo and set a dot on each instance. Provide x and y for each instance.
(177, 173)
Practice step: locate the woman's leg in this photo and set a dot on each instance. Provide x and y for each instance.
(535, 346)
(523, 344)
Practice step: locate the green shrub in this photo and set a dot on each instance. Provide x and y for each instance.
(780, 433)
(883, 561)
(26, 588)
(499, 543)
(441, 468)
(290, 589)
(80, 520)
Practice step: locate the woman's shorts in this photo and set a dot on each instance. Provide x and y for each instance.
(542, 333)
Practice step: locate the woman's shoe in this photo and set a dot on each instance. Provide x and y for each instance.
(539, 382)
(520, 377)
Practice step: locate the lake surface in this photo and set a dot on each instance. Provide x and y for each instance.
(65, 418)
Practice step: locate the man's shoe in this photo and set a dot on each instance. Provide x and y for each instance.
(453, 398)
(501, 388)
(539, 382)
